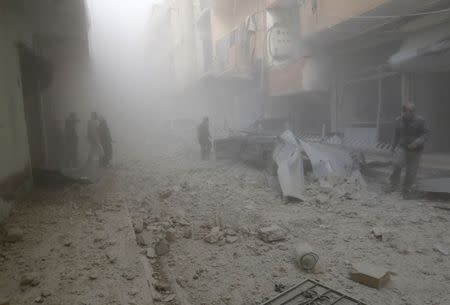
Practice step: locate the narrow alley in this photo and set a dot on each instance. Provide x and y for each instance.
(215, 152)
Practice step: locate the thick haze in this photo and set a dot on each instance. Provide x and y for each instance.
(125, 83)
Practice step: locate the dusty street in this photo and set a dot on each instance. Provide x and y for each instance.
(78, 245)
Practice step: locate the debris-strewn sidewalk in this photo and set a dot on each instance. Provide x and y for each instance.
(72, 246)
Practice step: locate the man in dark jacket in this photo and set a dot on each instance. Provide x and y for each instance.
(204, 138)
(105, 142)
(410, 136)
(71, 140)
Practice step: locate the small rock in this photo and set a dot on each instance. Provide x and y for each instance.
(214, 236)
(171, 235)
(441, 249)
(133, 292)
(381, 234)
(272, 233)
(165, 194)
(93, 276)
(138, 226)
(112, 258)
(140, 240)
(29, 280)
(67, 243)
(161, 247)
(150, 253)
(129, 276)
(187, 233)
(46, 293)
(231, 239)
(322, 199)
(39, 299)
(14, 235)
(161, 286)
(169, 298)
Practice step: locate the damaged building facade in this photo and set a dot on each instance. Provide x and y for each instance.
(44, 55)
(329, 67)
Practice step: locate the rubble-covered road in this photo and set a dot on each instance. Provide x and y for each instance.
(198, 226)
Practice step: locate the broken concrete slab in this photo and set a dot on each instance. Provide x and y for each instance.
(272, 233)
(369, 275)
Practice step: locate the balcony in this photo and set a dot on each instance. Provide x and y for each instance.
(329, 21)
(235, 54)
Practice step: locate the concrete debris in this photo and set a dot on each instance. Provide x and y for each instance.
(214, 236)
(187, 233)
(151, 253)
(30, 279)
(171, 235)
(304, 257)
(441, 249)
(369, 275)
(272, 233)
(231, 239)
(382, 234)
(138, 226)
(161, 247)
(163, 195)
(14, 235)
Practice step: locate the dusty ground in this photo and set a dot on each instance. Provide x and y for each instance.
(69, 233)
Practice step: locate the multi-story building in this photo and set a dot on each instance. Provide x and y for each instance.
(44, 56)
(340, 66)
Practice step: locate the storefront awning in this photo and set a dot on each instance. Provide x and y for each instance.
(425, 51)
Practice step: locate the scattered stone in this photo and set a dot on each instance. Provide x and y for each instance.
(169, 298)
(93, 276)
(138, 226)
(39, 299)
(381, 234)
(14, 235)
(45, 293)
(150, 253)
(163, 195)
(272, 233)
(369, 275)
(67, 243)
(187, 233)
(112, 258)
(129, 275)
(161, 247)
(133, 292)
(214, 236)
(231, 239)
(441, 249)
(161, 286)
(140, 240)
(171, 235)
(29, 280)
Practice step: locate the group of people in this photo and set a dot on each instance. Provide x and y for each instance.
(410, 136)
(98, 138)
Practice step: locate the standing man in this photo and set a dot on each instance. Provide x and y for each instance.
(93, 137)
(106, 142)
(71, 140)
(410, 135)
(204, 138)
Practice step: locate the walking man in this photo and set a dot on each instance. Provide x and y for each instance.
(410, 136)
(93, 137)
(204, 138)
(71, 140)
(106, 142)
